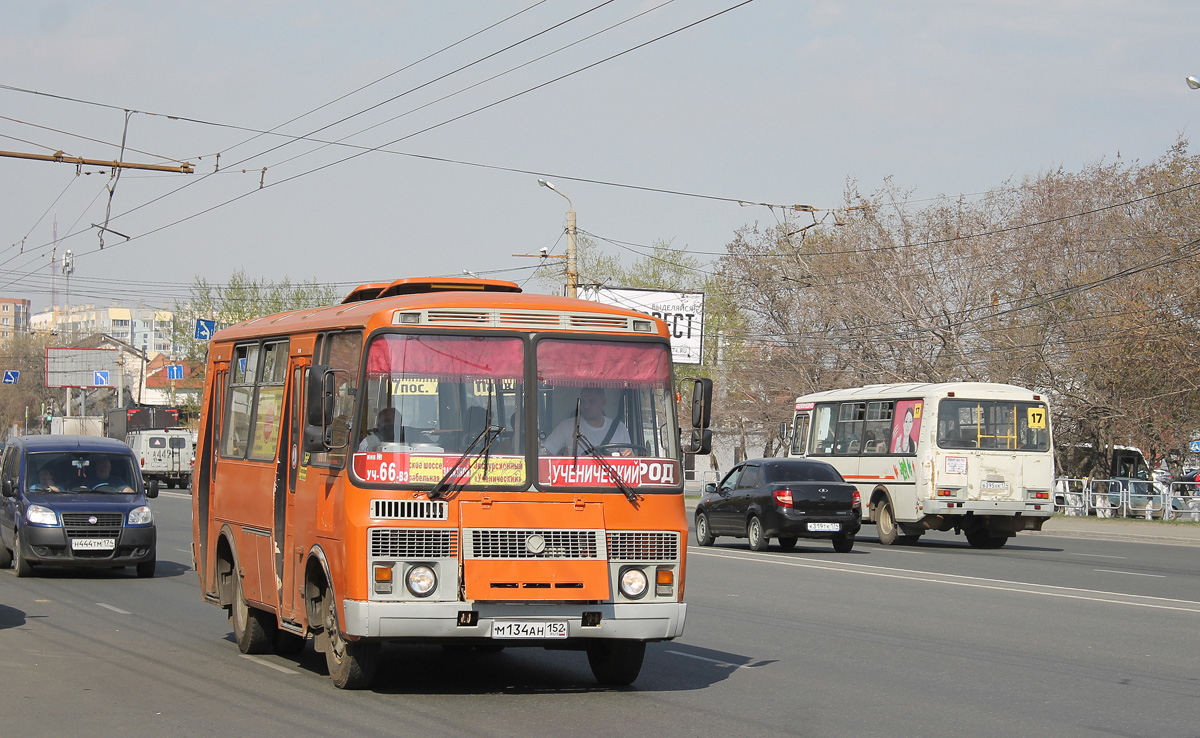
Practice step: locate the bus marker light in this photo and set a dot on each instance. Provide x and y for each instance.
(407, 318)
(643, 326)
(664, 582)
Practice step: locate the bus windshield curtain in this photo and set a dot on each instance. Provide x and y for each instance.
(451, 358)
(603, 364)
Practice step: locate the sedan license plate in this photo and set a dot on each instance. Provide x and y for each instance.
(824, 527)
(93, 544)
(529, 629)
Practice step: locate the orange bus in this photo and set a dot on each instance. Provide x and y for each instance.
(445, 461)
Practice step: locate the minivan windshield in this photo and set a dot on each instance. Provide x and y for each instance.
(80, 472)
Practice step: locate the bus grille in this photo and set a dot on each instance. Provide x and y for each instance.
(406, 543)
(507, 543)
(409, 509)
(643, 546)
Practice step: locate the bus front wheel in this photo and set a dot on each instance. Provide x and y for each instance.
(616, 663)
(351, 664)
(885, 523)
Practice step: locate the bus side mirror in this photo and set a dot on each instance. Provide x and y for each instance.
(314, 439)
(321, 392)
(702, 404)
(700, 442)
(783, 431)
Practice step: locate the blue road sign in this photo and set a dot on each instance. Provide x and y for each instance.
(101, 379)
(1193, 447)
(205, 329)
(175, 371)
(10, 376)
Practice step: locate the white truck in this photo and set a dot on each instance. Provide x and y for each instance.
(165, 454)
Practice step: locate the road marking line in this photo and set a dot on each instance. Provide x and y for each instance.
(1132, 573)
(1099, 556)
(711, 661)
(1002, 585)
(269, 665)
(180, 495)
(114, 609)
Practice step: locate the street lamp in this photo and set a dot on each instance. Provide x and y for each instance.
(1193, 83)
(572, 278)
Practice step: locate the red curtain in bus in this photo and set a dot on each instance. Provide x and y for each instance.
(453, 358)
(603, 364)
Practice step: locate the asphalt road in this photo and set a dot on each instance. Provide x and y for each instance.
(1051, 636)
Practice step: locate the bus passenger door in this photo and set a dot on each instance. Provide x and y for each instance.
(287, 560)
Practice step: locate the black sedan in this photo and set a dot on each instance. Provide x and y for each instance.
(788, 499)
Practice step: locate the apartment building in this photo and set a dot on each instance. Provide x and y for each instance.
(144, 328)
(14, 317)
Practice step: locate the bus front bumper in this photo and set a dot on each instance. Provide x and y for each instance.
(440, 620)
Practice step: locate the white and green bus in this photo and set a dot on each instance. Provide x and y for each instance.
(971, 457)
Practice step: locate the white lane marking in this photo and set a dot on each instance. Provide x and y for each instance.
(269, 665)
(180, 495)
(893, 549)
(1132, 573)
(1002, 585)
(711, 661)
(1099, 556)
(114, 609)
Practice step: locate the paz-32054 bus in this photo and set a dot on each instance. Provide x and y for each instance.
(972, 457)
(445, 461)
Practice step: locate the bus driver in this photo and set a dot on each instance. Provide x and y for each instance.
(594, 425)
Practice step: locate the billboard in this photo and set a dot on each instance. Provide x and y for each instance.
(81, 367)
(682, 311)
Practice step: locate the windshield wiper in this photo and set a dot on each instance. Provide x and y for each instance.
(488, 435)
(590, 450)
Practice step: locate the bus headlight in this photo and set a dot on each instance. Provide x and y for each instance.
(634, 583)
(421, 580)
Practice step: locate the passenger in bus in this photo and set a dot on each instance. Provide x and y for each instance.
(594, 425)
(383, 432)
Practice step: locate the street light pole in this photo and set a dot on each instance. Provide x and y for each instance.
(572, 275)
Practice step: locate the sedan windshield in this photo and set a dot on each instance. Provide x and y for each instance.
(80, 472)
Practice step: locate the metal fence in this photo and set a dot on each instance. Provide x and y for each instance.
(1126, 498)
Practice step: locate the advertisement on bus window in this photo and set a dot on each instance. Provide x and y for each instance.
(907, 426)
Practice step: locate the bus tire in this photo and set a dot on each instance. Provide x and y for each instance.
(843, 543)
(885, 522)
(351, 664)
(754, 534)
(704, 536)
(983, 538)
(787, 543)
(252, 628)
(616, 663)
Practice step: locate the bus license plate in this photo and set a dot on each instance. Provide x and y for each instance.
(529, 629)
(824, 527)
(93, 544)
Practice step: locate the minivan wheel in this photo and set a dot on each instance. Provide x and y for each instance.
(23, 567)
(145, 569)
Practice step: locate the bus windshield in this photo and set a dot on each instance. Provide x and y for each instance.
(429, 399)
(993, 424)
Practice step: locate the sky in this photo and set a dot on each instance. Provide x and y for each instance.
(428, 125)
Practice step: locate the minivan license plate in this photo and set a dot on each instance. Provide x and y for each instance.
(824, 527)
(529, 629)
(93, 544)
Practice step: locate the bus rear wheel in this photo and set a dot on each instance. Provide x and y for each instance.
(616, 663)
(252, 628)
(351, 664)
(885, 523)
(983, 538)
